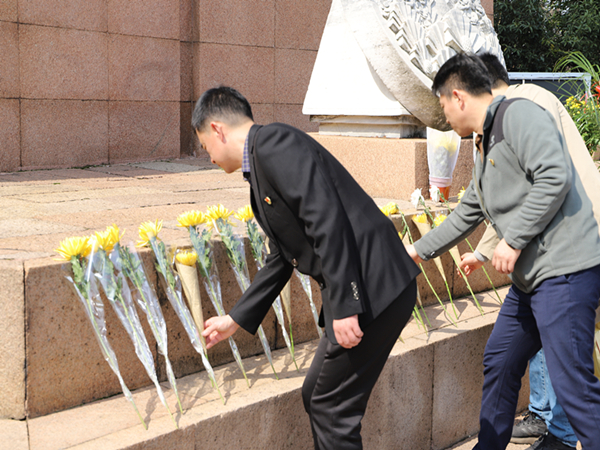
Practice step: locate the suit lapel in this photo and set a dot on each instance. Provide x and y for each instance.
(254, 183)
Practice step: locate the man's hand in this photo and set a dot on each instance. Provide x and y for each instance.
(217, 329)
(505, 257)
(410, 249)
(469, 263)
(347, 331)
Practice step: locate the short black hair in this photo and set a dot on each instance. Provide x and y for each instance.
(462, 71)
(496, 69)
(221, 103)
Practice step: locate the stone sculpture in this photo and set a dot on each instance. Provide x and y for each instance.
(391, 49)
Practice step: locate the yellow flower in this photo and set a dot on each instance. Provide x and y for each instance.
(187, 258)
(439, 219)
(191, 219)
(74, 246)
(420, 218)
(389, 209)
(244, 214)
(107, 239)
(448, 143)
(461, 193)
(147, 231)
(218, 212)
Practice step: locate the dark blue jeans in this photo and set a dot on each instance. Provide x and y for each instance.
(542, 401)
(560, 314)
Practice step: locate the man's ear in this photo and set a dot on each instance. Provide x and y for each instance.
(218, 129)
(459, 96)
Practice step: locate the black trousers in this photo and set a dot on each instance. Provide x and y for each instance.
(339, 382)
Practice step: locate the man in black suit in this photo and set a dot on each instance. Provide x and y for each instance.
(319, 220)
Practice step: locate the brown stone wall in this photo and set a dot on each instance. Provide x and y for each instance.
(104, 81)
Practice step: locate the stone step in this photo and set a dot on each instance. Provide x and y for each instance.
(426, 398)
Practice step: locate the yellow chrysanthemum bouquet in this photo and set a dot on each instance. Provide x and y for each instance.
(76, 251)
(202, 245)
(219, 218)
(128, 263)
(114, 284)
(148, 232)
(259, 253)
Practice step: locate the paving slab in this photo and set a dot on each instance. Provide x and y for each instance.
(13, 434)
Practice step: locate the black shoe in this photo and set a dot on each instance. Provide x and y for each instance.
(529, 429)
(549, 442)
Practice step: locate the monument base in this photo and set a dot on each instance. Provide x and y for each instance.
(394, 168)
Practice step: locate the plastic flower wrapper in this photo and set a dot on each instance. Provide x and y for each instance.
(455, 254)
(128, 263)
(234, 247)
(442, 153)
(148, 232)
(118, 294)
(185, 262)
(305, 281)
(259, 252)
(202, 245)
(75, 250)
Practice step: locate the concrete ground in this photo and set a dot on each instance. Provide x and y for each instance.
(40, 208)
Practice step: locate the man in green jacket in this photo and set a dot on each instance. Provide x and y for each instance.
(525, 184)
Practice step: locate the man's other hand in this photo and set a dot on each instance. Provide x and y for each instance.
(217, 329)
(505, 257)
(469, 263)
(347, 331)
(410, 249)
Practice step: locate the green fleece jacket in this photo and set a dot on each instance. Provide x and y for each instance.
(527, 187)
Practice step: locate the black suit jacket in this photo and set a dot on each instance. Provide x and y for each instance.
(319, 220)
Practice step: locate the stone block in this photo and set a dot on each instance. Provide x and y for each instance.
(186, 83)
(399, 414)
(239, 23)
(10, 146)
(143, 131)
(404, 160)
(65, 366)
(263, 113)
(456, 397)
(250, 70)
(143, 68)
(292, 74)
(9, 10)
(58, 63)
(63, 133)
(12, 351)
(80, 14)
(277, 422)
(292, 115)
(159, 18)
(14, 435)
(9, 54)
(300, 25)
(188, 22)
